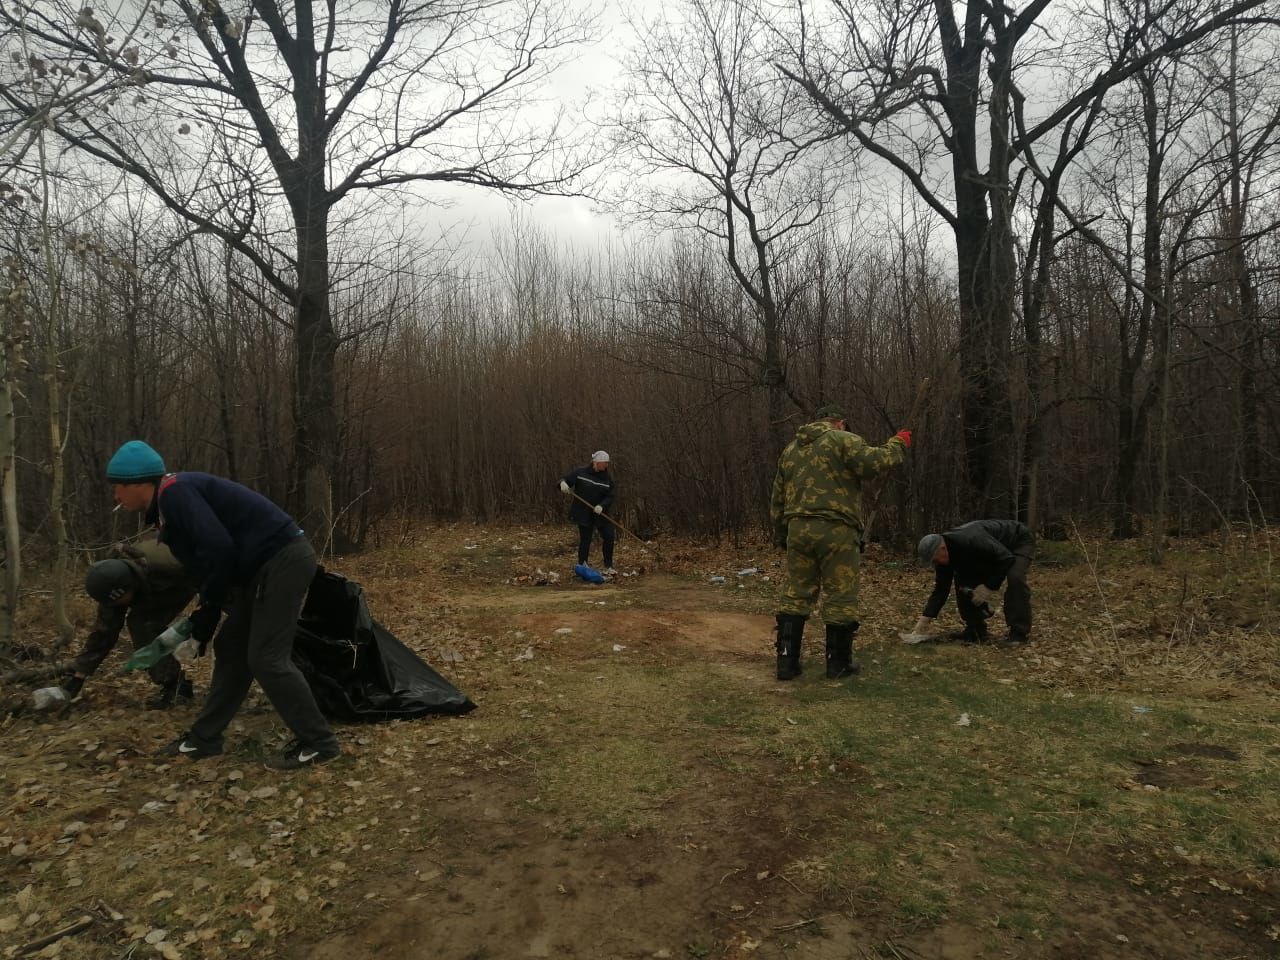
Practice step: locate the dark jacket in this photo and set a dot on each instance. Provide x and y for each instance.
(595, 488)
(220, 531)
(980, 552)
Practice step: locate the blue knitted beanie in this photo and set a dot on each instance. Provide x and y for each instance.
(135, 462)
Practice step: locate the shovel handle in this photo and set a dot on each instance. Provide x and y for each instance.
(581, 500)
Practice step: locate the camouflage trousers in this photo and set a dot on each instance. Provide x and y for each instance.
(822, 558)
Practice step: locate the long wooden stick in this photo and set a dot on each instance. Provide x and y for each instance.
(916, 406)
(657, 552)
(575, 496)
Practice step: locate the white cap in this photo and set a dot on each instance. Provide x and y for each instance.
(600, 457)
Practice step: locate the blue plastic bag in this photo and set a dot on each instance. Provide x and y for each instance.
(587, 574)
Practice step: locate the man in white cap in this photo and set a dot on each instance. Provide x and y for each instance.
(592, 490)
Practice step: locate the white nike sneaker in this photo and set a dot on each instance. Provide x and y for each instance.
(184, 747)
(299, 755)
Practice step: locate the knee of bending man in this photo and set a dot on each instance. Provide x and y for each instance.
(269, 662)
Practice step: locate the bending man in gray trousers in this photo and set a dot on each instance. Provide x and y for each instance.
(250, 557)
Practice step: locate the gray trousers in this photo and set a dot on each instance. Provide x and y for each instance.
(255, 642)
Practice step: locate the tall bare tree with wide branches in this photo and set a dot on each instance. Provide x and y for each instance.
(255, 121)
(934, 85)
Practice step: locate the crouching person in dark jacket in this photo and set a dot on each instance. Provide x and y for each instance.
(251, 560)
(143, 586)
(979, 557)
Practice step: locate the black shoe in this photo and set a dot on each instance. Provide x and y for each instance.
(172, 694)
(298, 755)
(790, 633)
(840, 659)
(185, 747)
(1013, 640)
(972, 635)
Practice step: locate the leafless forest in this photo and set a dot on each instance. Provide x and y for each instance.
(1062, 214)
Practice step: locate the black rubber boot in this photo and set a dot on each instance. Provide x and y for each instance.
(171, 694)
(840, 661)
(790, 633)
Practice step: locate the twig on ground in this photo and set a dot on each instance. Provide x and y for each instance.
(1073, 830)
(42, 672)
(84, 923)
(794, 887)
(797, 925)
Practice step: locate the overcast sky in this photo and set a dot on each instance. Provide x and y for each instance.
(588, 81)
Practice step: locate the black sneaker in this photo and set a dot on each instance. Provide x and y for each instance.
(185, 747)
(1013, 640)
(299, 755)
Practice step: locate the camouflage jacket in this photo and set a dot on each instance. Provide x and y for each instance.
(820, 474)
(157, 568)
(164, 590)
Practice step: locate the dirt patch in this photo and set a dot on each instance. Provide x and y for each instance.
(506, 881)
(1169, 774)
(1207, 750)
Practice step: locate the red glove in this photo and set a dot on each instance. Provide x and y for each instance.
(904, 436)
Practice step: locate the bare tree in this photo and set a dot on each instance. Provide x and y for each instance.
(717, 138)
(314, 107)
(927, 80)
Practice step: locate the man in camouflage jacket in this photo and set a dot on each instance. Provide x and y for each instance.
(142, 585)
(816, 512)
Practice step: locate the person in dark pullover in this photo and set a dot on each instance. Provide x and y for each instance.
(592, 484)
(978, 557)
(251, 559)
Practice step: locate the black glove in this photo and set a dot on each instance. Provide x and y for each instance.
(72, 685)
(204, 621)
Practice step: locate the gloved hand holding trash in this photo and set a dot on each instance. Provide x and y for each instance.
(177, 634)
(920, 633)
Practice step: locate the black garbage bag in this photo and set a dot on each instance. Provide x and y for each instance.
(358, 671)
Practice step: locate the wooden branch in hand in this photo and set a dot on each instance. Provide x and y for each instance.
(917, 405)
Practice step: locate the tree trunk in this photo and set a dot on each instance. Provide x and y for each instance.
(53, 385)
(984, 275)
(11, 346)
(316, 431)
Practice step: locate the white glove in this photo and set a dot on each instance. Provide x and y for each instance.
(47, 697)
(187, 650)
(598, 508)
(564, 487)
(981, 594)
(919, 633)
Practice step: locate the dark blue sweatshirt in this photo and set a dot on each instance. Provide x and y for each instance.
(221, 532)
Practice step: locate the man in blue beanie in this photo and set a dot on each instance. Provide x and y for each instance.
(251, 559)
